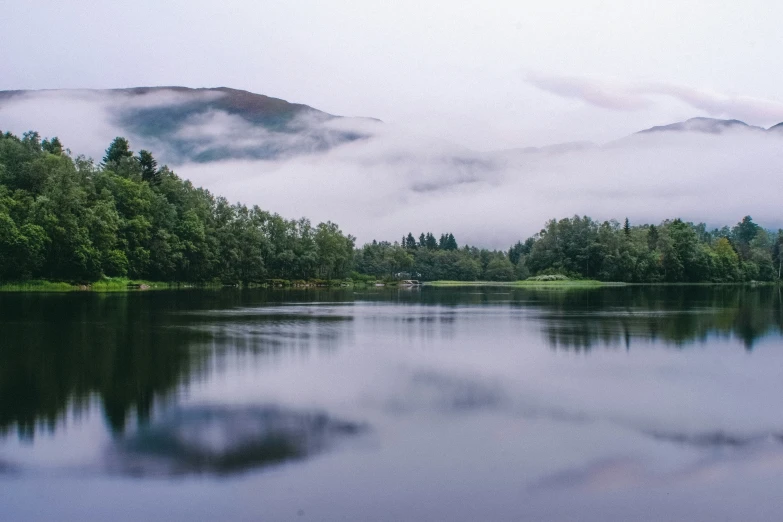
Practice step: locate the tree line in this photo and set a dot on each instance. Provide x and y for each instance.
(673, 251)
(67, 218)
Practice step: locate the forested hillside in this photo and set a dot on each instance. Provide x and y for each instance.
(65, 218)
(68, 219)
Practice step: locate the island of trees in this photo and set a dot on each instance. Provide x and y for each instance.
(66, 218)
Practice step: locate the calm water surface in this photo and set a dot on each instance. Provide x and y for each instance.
(639, 403)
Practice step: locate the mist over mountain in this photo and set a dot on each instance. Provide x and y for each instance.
(711, 125)
(203, 125)
(380, 180)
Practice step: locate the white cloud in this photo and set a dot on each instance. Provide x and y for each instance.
(634, 96)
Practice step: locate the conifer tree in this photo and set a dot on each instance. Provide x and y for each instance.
(149, 167)
(117, 151)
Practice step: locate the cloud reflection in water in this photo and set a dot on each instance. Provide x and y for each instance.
(225, 440)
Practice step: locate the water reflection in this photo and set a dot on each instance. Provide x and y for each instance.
(60, 352)
(627, 473)
(717, 438)
(677, 315)
(223, 440)
(482, 403)
(128, 350)
(434, 391)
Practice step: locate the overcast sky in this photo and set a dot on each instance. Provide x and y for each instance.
(482, 74)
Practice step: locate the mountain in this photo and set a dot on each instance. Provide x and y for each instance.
(209, 124)
(709, 125)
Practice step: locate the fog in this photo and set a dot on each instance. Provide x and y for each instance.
(393, 181)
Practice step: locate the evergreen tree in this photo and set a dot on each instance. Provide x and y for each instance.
(652, 237)
(117, 151)
(149, 167)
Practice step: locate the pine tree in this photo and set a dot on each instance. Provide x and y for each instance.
(652, 237)
(149, 167)
(117, 151)
(627, 227)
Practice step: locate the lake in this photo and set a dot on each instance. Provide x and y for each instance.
(475, 403)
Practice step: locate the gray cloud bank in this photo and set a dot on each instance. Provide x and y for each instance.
(394, 182)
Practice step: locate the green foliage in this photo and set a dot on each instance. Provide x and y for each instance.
(66, 219)
(674, 251)
(117, 151)
(149, 167)
(583, 249)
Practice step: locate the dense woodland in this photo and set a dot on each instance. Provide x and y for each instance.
(66, 218)
(581, 248)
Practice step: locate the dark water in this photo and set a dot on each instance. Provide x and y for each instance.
(640, 403)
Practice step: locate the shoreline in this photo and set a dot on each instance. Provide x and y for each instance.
(131, 285)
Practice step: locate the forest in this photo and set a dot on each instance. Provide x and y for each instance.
(68, 218)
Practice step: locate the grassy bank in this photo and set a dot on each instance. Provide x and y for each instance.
(104, 285)
(131, 285)
(582, 283)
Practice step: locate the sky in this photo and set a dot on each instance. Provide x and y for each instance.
(482, 74)
(456, 83)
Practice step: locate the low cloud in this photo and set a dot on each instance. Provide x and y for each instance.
(387, 186)
(392, 182)
(634, 96)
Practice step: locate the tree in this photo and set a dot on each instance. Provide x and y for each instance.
(779, 253)
(726, 266)
(743, 233)
(117, 151)
(52, 146)
(652, 237)
(627, 228)
(746, 230)
(500, 269)
(335, 250)
(149, 167)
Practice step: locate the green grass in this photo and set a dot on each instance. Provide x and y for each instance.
(573, 283)
(116, 284)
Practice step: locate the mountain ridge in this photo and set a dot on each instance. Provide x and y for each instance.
(213, 123)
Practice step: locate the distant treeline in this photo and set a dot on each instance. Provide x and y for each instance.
(674, 251)
(66, 218)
